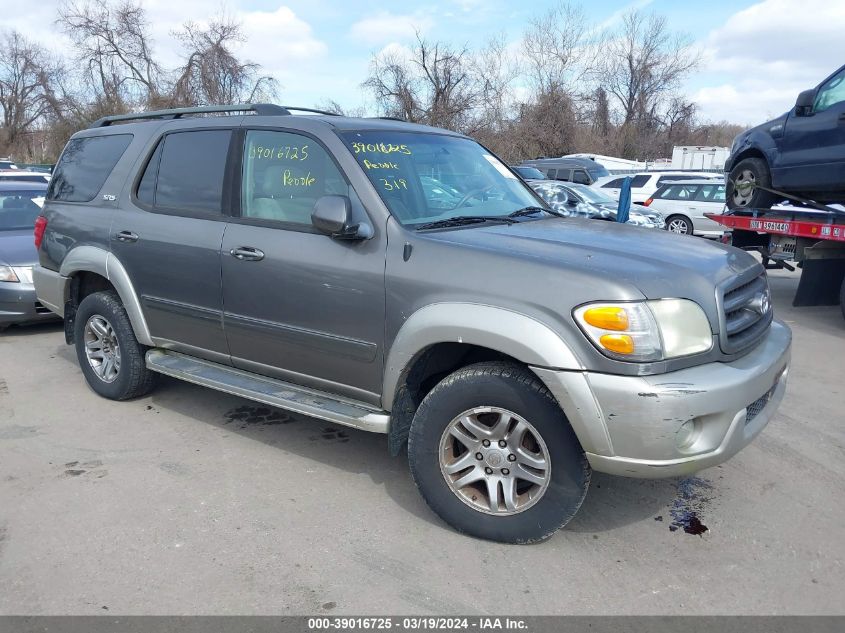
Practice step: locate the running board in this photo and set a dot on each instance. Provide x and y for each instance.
(269, 391)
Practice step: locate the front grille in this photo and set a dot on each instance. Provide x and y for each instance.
(746, 313)
(40, 309)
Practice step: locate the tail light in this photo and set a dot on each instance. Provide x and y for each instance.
(648, 202)
(40, 227)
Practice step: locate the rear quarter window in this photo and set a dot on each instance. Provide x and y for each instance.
(639, 181)
(84, 166)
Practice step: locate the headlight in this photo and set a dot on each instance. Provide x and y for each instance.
(7, 274)
(646, 331)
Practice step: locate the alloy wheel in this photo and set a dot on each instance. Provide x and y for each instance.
(495, 461)
(102, 348)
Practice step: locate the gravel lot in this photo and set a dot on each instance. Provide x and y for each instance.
(191, 501)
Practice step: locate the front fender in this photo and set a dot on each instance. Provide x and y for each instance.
(520, 336)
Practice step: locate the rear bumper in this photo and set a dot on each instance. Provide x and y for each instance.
(18, 304)
(677, 423)
(51, 288)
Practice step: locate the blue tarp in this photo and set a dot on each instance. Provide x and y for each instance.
(624, 208)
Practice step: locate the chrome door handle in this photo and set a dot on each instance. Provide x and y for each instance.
(126, 236)
(247, 254)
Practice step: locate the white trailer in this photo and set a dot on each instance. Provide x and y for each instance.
(699, 158)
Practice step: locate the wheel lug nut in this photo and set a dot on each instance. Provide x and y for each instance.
(505, 471)
(502, 443)
(479, 456)
(511, 457)
(486, 442)
(488, 470)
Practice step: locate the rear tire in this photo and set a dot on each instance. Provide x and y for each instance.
(679, 224)
(110, 356)
(744, 182)
(532, 461)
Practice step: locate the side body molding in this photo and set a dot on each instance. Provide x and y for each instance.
(100, 261)
(500, 329)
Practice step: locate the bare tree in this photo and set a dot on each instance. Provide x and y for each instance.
(555, 46)
(114, 47)
(26, 73)
(642, 64)
(437, 85)
(212, 73)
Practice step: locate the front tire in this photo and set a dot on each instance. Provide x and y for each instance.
(110, 356)
(743, 187)
(494, 456)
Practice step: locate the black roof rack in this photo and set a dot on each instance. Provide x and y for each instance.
(260, 109)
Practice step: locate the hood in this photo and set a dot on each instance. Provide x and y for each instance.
(656, 263)
(17, 248)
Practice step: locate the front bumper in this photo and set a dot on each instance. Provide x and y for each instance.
(18, 304)
(632, 426)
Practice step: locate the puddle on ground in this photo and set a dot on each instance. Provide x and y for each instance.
(693, 495)
(248, 415)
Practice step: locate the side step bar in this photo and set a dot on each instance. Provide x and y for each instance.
(269, 391)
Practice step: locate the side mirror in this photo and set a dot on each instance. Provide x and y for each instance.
(332, 215)
(804, 102)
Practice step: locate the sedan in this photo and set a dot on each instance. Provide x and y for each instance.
(20, 205)
(569, 201)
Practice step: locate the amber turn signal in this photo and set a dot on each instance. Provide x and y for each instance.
(618, 343)
(607, 318)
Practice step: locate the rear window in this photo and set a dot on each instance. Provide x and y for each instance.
(616, 183)
(678, 192)
(639, 181)
(186, 172)
(84, 166)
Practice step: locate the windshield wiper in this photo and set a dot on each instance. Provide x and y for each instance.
(530, 211)
(463, 220)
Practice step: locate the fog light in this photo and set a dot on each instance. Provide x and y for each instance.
(686, 434)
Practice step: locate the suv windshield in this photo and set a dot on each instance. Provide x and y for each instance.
(424, 178)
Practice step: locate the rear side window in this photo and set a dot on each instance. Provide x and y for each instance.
(639, 181)
(186, 172)
(711, 193)
(84, 166)
(551, 174)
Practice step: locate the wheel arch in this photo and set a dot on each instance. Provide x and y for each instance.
(92, 260)
(442, 338)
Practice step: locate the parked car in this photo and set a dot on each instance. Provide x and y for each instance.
(301, 262)
(582, 170)
(644, 184)
(20, 175)
(528, 173)
(20, 205)
(684, 204)
(7, 164)
(601, 199)
(563, 198)
(802, 152)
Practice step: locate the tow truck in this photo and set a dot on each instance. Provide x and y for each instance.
(812, 235)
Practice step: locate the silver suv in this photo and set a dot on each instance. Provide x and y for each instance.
(401, 279)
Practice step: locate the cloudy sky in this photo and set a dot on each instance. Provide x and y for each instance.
(757, 55)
